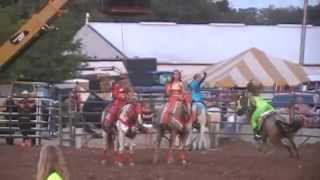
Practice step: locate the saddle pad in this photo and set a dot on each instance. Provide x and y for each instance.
(174, 123)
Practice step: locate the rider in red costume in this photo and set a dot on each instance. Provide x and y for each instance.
(176, 92)
(120, 91)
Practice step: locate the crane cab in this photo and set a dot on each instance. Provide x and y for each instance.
(125, 7)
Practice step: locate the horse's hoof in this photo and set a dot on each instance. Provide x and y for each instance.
(155, 162)
(132, 164)
(184, 162)
(120, 164)
(169, 162)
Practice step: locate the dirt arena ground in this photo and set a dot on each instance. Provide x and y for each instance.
(232, 161)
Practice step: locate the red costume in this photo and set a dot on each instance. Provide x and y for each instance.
(119, 94)
(176, 93)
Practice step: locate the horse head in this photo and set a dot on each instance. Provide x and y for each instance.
(140, 111)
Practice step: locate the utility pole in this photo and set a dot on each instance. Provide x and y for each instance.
(303, 32)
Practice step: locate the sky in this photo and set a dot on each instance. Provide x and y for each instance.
(266, 3)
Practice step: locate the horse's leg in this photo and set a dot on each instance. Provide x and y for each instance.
(121, 147)
(159, 135)
(183, 137)
(275, 140)
(294, 147)
(189, 138)
(202, 139)
(131, 145)
(106, 138)
(110, 144)
(288, 149)
(171, 141)
(104, 152)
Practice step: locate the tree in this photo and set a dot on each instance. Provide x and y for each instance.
(48, 58)
(314, 15)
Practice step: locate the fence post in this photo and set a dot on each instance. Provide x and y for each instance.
(60, 125)
(10, 140)
(71, 115)
(236, 125)
(38, 115)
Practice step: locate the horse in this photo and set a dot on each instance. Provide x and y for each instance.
(200, 122)
(178, 124)
(274, 127)
(123, 131)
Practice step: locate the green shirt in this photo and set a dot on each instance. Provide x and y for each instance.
(54, 176)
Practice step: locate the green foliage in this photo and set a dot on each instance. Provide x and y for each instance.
(9, 20)
(48, 58)
(206, 11)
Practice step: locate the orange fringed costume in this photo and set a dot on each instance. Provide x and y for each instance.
(176, 93)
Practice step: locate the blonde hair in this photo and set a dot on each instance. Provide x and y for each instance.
(51, 160)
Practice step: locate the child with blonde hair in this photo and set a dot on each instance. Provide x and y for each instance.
(51, 164)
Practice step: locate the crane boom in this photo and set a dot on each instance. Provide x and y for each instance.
(29, 30)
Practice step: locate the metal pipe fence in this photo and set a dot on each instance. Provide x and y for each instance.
(37, 124)
(222, 105)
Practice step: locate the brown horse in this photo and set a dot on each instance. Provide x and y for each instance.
(275, 127)
(178, 124)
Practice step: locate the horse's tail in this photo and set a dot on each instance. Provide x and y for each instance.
(289, 128)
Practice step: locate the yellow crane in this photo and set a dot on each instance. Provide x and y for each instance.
(39, 22)
(30, 30)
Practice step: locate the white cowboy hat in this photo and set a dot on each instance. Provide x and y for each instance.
(25, 92)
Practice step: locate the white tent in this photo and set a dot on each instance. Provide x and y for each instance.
(254, 64)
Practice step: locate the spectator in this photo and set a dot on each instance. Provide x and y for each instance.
(26, 107)
(304, 111)
(51, 164)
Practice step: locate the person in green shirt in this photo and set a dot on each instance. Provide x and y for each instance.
(51, 164)
(258, 105)
(54, 176)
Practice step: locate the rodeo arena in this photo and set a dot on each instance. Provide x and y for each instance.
(162, 101)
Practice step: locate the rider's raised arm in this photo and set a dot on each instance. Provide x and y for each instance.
(203, 77)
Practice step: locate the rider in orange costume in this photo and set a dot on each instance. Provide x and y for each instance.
(176, 92)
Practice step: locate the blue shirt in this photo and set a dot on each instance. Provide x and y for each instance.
(195, 87)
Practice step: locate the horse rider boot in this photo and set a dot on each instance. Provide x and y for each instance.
(261, 106)
(120, 99)
(195, 87)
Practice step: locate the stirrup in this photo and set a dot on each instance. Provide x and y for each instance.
(257, 137)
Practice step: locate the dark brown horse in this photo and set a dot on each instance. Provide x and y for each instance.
(275, 127)
(178, 125)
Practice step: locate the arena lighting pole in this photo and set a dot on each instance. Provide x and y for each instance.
(303, 32)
